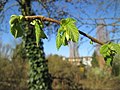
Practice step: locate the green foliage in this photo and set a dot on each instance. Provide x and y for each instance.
(67, 32)
(39, 78)
(38, 30)
(16, 25)
(108, 51)
(91, 42)
(98, 79)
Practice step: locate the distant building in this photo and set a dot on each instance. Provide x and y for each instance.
(86, 60)
(75, 61)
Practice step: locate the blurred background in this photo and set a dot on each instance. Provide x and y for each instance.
(77, 66)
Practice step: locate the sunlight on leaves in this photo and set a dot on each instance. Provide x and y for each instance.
(108, 51)
(38, 30)
(16, 23)
(67, 32)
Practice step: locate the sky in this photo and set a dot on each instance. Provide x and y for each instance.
(85, 49)
(49, 45)
(50, 48)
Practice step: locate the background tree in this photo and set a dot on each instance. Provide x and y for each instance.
(81, 6)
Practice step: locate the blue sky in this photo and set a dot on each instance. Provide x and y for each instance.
(86, 49)
(50, 48)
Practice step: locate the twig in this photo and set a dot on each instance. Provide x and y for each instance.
(42, 18)
(92, 38)
(58, 22)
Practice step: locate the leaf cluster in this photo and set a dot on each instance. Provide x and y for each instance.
(108, 51)
(38, 30)
(67, 32)
(16, 25)
(17, 28)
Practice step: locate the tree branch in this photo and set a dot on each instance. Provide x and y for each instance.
(42, 18)
(58, 22)
(92, 38)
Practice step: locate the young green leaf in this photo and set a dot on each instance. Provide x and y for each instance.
(108, 51)
(16, 23)
(58, 41)
(115, 47)
(67, 36)
(104, 49)
(64, 39)
(16, 30)
(21, 17)
(13, 19)
(91, 42)
(68, 31)
(72, 32)
(39, 32)
(108, 62)
(33, 22)
(68, 20)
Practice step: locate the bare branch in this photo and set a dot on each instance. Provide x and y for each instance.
(42, 18)
(90, 37)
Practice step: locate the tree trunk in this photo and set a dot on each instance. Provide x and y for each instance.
(39, 78)
(101, 61)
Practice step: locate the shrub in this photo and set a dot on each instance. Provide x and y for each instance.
(97, 79)
(13, 74)
(65, 75)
